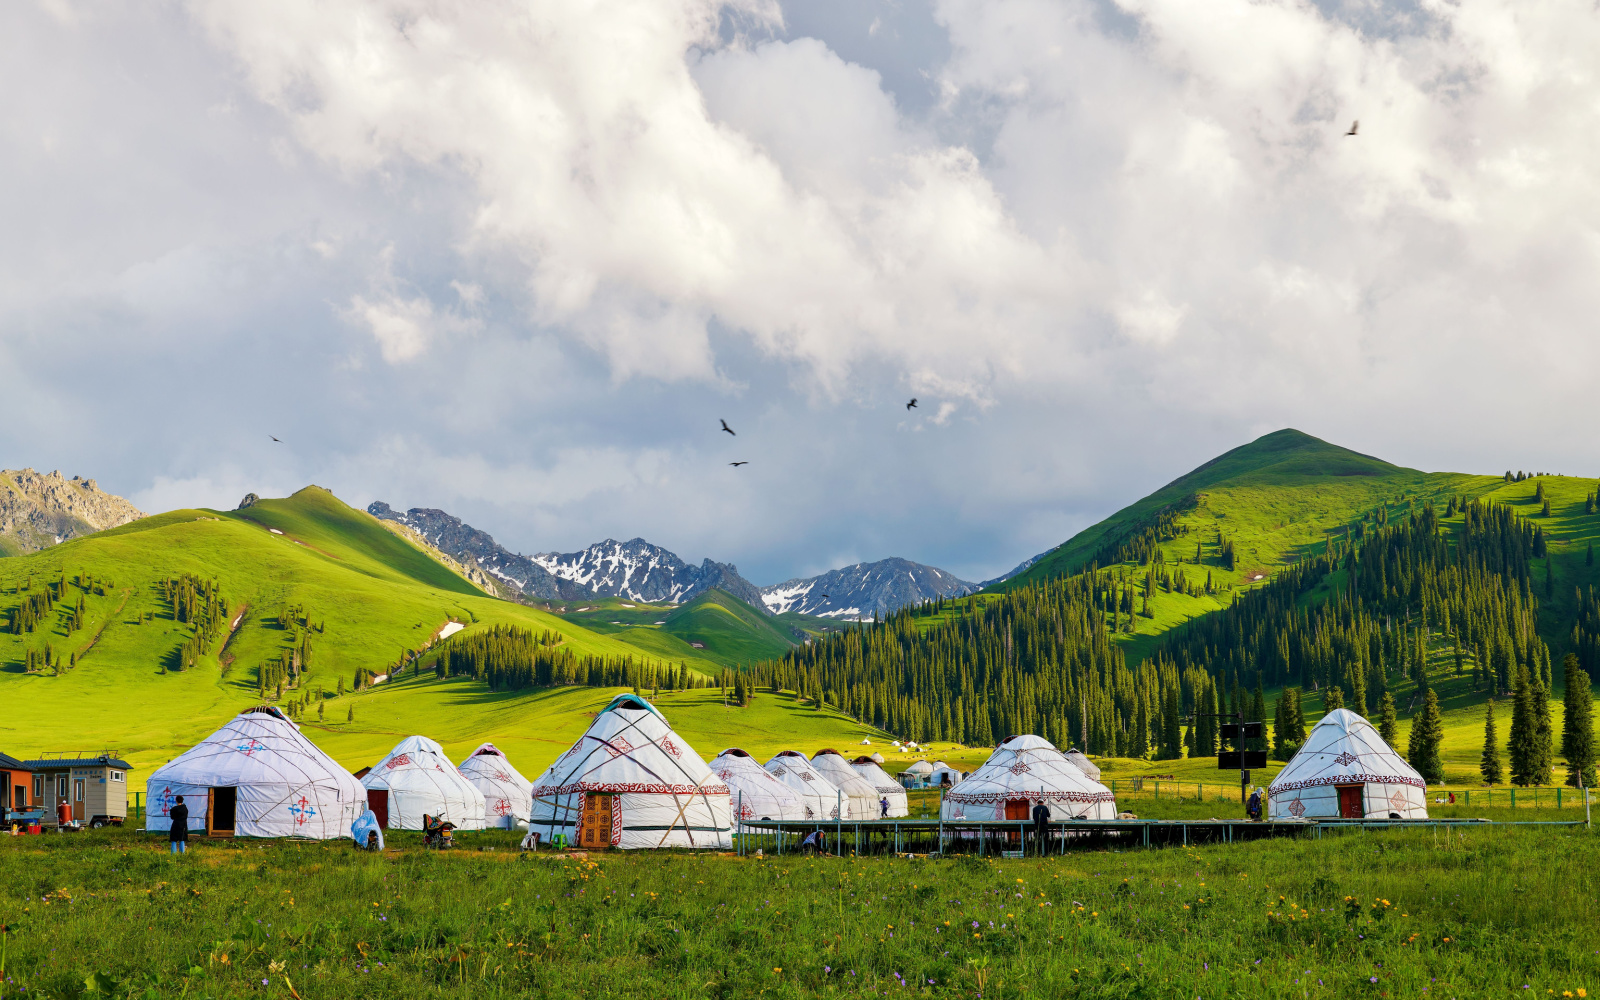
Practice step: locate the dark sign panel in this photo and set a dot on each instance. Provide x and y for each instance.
(1250, 760)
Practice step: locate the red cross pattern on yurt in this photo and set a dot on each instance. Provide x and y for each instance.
(1297, 809)
(617, 747)
(301, 810)
(670, 747)
(502, 807)
(250, 746)
(1019, 768)
(1397, 801)
(779, 772)
(165, 799)
(400, 761)
(807, 776)
(1346, 759)
(502, 776)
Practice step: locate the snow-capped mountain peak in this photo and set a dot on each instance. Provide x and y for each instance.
(861, 590)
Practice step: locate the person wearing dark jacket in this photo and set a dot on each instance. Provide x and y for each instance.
(179, 833)
(1041, 825)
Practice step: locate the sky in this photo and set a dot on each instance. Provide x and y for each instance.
(516, 260)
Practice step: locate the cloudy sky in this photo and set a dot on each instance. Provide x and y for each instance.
(516, 259)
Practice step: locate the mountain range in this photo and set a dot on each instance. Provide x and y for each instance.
(38, 510)
(637, 570)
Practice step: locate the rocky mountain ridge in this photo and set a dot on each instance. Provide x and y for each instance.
(38, 510)
(865, 589)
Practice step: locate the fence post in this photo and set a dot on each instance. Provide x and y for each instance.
(1513, 798)
(1558, 796)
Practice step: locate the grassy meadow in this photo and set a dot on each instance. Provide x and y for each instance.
(1486, 912)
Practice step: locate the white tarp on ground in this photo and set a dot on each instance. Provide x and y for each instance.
(1031, 769)
(887, 787)
(756, 793)
(1084, 764)
(420, 779)
(506, 793)
(285, 786)
(664, 794)
(1343, 749)
(860, 797)
(819, 796)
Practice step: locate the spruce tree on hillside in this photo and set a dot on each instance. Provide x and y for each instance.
(1544, 759)
(1332, 698)
(1427, 732)
(1297, 719)
(1524, 755)
(1489, 763)
(1258, 713)
(1577, 725)
(1279, 727)
(1388, 725)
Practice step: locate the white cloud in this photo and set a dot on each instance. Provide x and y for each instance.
(402, 327)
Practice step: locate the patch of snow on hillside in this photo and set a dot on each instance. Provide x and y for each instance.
(450, 629)
(782, 599)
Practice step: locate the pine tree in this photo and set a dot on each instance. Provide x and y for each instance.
(1258, 713)
(1297, 719)
(1577, 724)
(1543, 735)
(1388, 726)
(1489, 763)
(1427, 731)
(350, 716)
(1280, 727)
(1332, 698)
(1523, 753)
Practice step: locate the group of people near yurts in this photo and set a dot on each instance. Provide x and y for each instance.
(631, 781)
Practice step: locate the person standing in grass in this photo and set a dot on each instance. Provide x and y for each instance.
(1041, 825)
(178, 834)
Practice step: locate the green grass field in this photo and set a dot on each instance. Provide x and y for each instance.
(1403, 913)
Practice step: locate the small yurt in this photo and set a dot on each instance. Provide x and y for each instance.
(257, 776)
(887, 787)
(943, 774)
(1084, 764)
(417, 779)
(916, 776)
(631, 782)
(878, 758)
(1347, 770)
(755, 793)
(506, 793)
(1023, 771)
(819, 796)
(860, 795)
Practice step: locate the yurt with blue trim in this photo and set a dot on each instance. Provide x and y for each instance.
(630, 782)
(257, 776)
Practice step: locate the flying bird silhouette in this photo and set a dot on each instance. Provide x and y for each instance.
(275, 439)
(1355, 126)
(737, 464)
(725, 426)
(825, 597)
(912, 403)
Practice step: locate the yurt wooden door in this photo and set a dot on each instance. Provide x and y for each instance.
(220, 807)
(1350, 804)
(595, 833)
(1016, 809)
(378, 802)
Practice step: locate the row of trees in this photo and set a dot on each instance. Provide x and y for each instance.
(1530, 748)
(509, 658)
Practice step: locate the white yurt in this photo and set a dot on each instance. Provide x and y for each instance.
(943, 773)
(1023, 771)
(417, 779)
(631, 782)
(506, 793)
(886, 785)
(860, 795)
(1084, 764)
(819, 796)
(878, 758)
(1346, 769)
(257, 776)
(916, 776)
(755, 793)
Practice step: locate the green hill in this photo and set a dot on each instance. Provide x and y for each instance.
(716, 627)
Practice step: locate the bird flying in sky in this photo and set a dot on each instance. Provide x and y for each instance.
(912, 404)
(725, 426)
(737, 464)
(1355, 126)
(275, 439)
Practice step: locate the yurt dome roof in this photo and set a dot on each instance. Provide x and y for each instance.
(733, 752)
(631, 702)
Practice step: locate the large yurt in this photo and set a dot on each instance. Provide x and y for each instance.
(886, 786)
(819, 796)
(257, 776)
(860, 795)
(1345, 769)
(1023, 771)
(1084, 764)
(943, 774)
(631, 782)
(506, 793)
(755, 792)
(417, 779)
